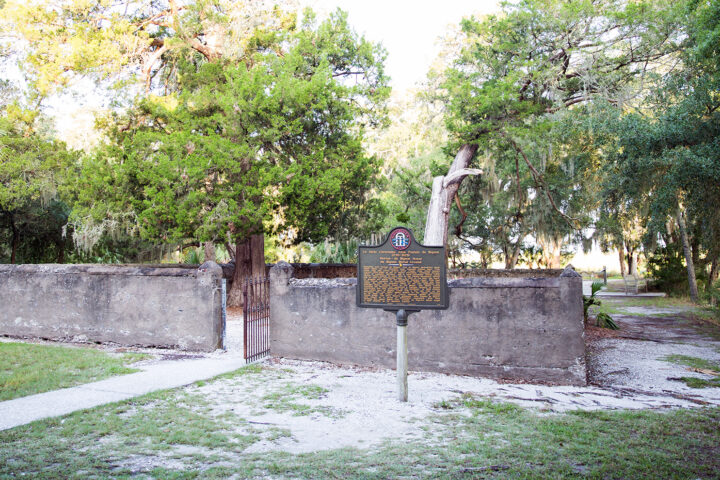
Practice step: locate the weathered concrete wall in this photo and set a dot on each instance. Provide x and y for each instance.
(527, 328)
(128, 305)
(304, 270)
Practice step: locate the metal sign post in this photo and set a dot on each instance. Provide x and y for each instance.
(404, 277)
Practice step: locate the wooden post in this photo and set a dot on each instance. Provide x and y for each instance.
(402, 363)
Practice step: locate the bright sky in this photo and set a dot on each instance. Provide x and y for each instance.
(408, 29)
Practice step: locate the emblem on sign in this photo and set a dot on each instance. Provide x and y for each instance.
(400, 239)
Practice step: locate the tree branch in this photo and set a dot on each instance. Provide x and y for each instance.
(538, 178)
(458, 175)
(147, 68)
(458, 227)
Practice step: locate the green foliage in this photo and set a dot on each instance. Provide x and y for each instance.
(335, 252)
(518, 90)
(602, 319)
(127, 45)
(32, 214)
(605, 321)
(194, 256)
(591, 300)
(664, 159)
(666, 266)
(272, 144)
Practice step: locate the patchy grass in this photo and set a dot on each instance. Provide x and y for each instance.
(693, 362)
(289, 398)
(706, 366)
(176, 434)
(26, 369)
(695, 382)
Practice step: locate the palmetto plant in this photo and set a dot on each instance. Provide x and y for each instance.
(602, 319)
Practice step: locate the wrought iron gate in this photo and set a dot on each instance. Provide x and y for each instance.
(256, 317)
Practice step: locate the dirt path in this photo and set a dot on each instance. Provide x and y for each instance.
(638, 357)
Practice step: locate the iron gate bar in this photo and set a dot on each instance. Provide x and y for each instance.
(256, 317)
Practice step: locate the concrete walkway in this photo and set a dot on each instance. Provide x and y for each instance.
(153, 377)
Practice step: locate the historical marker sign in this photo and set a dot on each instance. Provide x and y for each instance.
(401, 274)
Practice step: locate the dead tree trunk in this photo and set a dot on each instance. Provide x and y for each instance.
(443, 193)
(687, 250)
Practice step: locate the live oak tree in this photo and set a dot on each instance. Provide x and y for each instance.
(268, 143)
(667, 155)
(521, 70)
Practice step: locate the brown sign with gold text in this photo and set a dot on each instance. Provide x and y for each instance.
(402, 274)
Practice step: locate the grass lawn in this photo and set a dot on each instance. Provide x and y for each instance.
(26, 369)
(179, 434)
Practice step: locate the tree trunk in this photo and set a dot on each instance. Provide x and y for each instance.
(511, 262)
(714, 270)
(632, 266)
(15, 238)
(687, 250)
(249, 261)
(231, 250)
(695, 249)
(209, 248)
(60, 244)
(443, 193)
(712, 277)
(621, 255)
(257, 255)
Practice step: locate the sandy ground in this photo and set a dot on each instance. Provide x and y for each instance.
(359, 406)
(627, 370)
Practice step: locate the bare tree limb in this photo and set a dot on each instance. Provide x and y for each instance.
(147, 68)
(459, 175)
